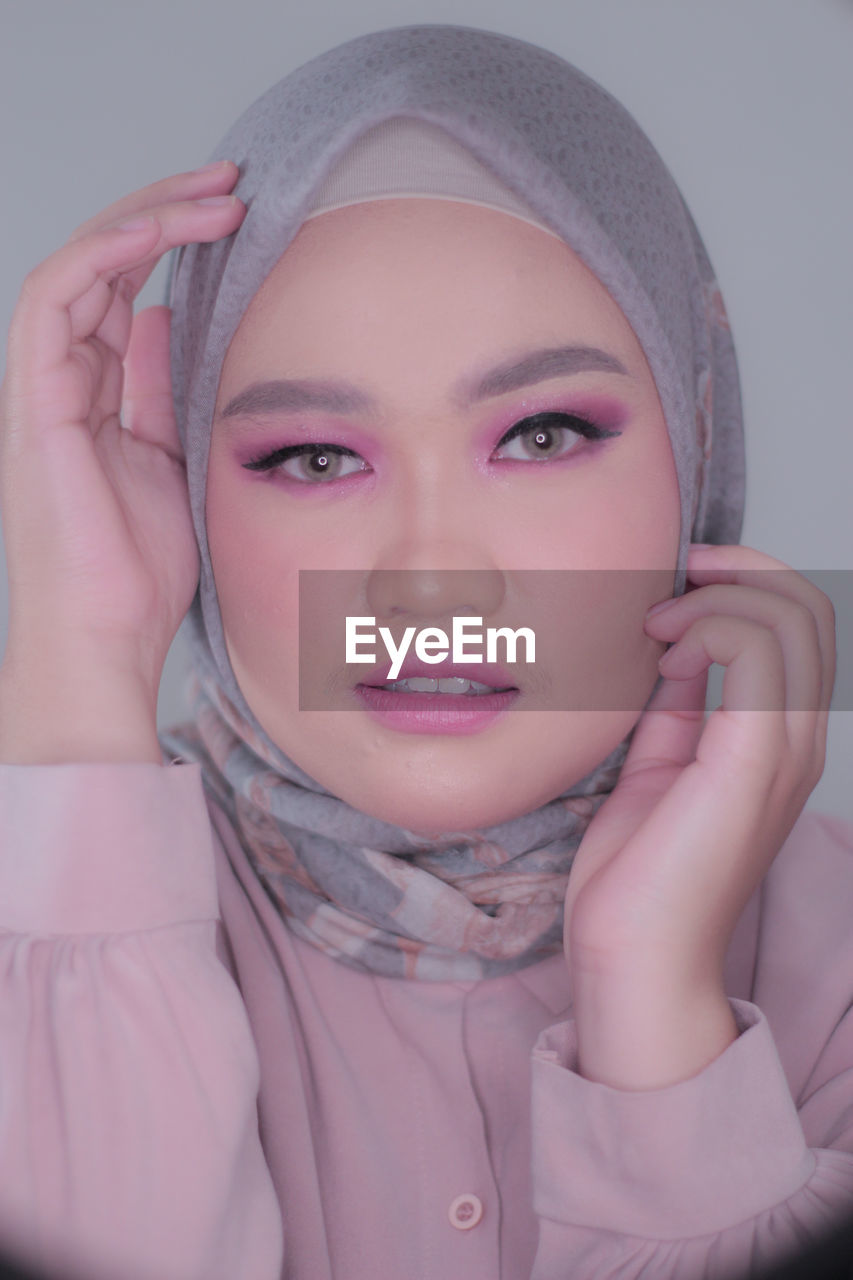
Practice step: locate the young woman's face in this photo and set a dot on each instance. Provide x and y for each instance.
(412, 302)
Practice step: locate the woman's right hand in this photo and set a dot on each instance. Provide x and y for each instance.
(100, 547)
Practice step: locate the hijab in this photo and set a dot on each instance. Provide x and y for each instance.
(553, 147)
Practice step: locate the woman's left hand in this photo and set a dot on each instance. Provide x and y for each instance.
(700, 811)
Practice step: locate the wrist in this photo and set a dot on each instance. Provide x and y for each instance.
(61, 711)
(638, 1035)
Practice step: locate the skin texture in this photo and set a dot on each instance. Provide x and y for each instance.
(404, 298)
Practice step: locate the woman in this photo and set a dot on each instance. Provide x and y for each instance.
(492, 994)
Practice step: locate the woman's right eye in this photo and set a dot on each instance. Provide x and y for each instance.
(312, 463)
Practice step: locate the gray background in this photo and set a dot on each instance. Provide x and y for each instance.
(750, 102)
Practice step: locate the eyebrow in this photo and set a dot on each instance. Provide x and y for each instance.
(289, 395)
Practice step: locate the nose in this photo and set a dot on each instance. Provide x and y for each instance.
(438, 552)
(435, 559)
(435, 592)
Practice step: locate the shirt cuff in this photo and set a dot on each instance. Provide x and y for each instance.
(692, 1158)
(104, 848)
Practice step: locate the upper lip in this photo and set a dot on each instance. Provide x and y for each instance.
(482, 672)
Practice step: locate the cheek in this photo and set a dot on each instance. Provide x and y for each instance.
(591, 647)
(616, 540)
(608, 522)
(256, 578)
(635, 506)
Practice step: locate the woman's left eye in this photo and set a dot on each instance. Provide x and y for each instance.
(543, 435)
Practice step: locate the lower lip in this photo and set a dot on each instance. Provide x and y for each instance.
(434, 712)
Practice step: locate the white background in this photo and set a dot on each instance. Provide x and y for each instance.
(750, 102)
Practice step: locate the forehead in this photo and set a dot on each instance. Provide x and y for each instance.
(421, 261)
(423, 305)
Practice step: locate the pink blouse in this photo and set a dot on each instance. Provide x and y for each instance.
(188, 1091)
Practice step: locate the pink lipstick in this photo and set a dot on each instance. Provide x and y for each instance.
(438, 711)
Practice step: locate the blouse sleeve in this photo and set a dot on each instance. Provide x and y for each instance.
(724, 1174)
(129, 1141)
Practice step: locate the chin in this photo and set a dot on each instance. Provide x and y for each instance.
(423, 815)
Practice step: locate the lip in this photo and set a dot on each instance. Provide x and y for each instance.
(484, 673)
(445, 713)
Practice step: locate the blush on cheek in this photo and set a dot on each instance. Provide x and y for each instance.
(259, 607)
(254, 570)
(257, 590)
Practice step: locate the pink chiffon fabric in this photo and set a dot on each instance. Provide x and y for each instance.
(189, 1091)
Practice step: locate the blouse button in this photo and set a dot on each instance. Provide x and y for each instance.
(465, 1211)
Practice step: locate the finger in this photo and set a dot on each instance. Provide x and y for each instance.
(179, 186)
(808, 677)
(670, 727)
(66, 297)
(748, 567)
(95, 313)
(794, 623)
(148, 410)
(748, 732)
(40, 335)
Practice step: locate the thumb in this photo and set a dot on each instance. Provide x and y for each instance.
(148, 409)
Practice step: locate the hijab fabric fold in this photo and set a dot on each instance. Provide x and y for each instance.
(566, 155)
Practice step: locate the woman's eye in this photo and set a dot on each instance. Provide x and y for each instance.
(536, 439)
(549, 435)
(309, 463)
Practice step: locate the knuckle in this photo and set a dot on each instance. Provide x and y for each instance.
(827, 608)
(820, 605)
(32, 282)
(802, 610)
(35, 282)
(805, 618)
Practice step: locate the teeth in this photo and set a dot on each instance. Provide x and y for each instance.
(448, 684)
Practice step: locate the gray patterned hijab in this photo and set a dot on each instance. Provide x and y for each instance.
(468, 904)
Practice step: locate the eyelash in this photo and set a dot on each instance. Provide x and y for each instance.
(537, 421)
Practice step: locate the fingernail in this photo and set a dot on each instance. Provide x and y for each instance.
(664, 604)
(214, 164)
